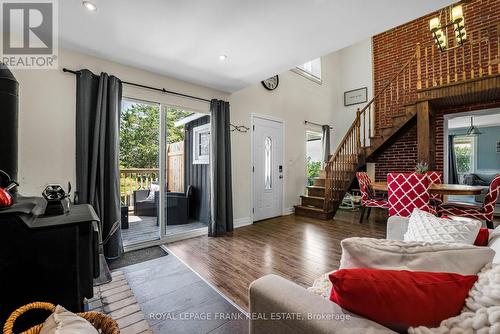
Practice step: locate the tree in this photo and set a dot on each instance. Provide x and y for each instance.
(175, 134)
(140, 134)
(313, 169)
(463, 154)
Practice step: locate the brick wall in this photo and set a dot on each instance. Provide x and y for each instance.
(394, 47)
(401, 156)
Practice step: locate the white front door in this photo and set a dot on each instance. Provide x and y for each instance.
(267, 168)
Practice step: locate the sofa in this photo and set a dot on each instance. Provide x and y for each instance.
(177, 206)
(481, 179)
(273, 295)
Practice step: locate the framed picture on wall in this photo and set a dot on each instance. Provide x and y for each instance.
(201, 144)
(355, 96)
(498, 146)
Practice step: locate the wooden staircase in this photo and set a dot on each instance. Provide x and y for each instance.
(360, 142)
(312, 204)
(346, 166)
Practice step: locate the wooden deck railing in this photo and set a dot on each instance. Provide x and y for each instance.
(134, 179)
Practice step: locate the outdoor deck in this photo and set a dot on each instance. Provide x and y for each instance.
(143, 228)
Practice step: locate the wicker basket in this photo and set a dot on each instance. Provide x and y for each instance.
(101, 322)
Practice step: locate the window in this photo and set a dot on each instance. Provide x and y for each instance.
(313, 155)
(464, 155)
(268, 144)
(311, 70)
(201, 144)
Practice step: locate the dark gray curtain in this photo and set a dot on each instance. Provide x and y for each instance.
(221, 195)
(325, 143)
(452, 161)
(98, 103)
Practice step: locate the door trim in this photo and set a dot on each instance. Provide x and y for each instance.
(446, 118)
(253, 116)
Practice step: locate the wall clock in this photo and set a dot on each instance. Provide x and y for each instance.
(271, 83)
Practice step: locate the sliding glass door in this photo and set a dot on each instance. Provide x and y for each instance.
(140, 176)
(164, 171)
(187, 161)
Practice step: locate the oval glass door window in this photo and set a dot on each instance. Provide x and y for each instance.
(268, 178)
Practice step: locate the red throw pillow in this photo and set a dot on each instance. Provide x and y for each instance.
(400, 299)
(482, 237)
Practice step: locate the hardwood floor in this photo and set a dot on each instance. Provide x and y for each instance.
(297, 248)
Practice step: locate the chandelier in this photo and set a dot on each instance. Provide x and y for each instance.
(439, 32)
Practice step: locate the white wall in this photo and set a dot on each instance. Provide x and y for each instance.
(47, 114)
(355, 71)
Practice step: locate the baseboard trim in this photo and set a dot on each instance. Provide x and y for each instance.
(288, 211)
(240, 222)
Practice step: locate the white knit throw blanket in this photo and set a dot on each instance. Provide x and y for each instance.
(481, 313)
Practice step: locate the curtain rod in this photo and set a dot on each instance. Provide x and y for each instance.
(307, 122)
(163, 90)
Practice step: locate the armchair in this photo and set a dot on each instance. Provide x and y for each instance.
(142, 205)
(177, 208)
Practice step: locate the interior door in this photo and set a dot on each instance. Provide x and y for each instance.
(267, 168)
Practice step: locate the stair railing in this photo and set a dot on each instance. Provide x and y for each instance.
(342, 166)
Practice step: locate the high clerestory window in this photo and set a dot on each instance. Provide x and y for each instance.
(310, 69)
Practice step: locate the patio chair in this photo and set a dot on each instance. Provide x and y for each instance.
(177, 207)
(483, 212)
(368, 198)
(407, 191)
(143, 206)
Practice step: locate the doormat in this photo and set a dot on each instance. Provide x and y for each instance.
(137, 256)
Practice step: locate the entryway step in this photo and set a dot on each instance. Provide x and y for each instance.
(316, 201)
(319, 181)
(308, 211)
(317, 191)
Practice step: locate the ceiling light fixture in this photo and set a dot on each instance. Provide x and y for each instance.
(473, 131)
(222, 57)
(89, 5)
(439, 33)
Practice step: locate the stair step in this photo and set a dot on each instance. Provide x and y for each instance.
(316, 201)
(316, 191)
(307, 211)
(319, 181)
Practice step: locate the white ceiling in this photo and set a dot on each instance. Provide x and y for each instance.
(184, 38)
(479, 121)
